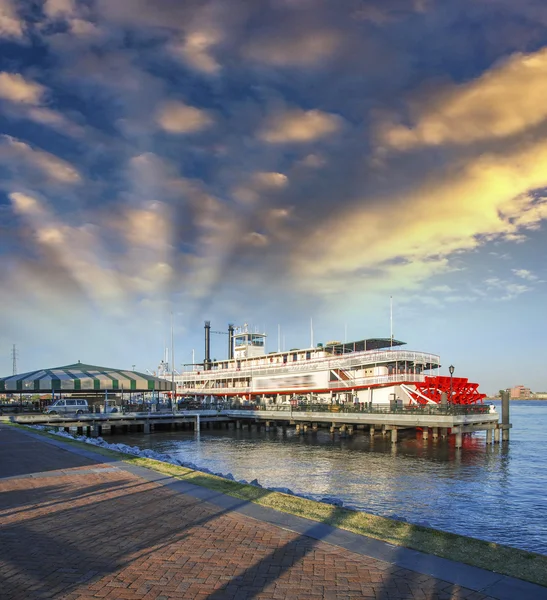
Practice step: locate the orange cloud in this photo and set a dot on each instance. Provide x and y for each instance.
(505, 101)
(296, 125)
(259, 182)
(195, 50)
(52, 166)
(412, 236)
(177, 117)
(10, 24)
(301, 49)
(16, 88)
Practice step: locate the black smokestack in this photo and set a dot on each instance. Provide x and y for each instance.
(230, 341)
(207, 360)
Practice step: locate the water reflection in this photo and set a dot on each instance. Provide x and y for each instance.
(493, 492)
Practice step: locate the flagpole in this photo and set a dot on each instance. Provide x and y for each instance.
(391, 320)
(173, 392)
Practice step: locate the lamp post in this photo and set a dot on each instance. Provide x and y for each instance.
(451, 371)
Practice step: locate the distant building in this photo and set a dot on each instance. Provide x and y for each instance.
(519, 392)
(540, 396)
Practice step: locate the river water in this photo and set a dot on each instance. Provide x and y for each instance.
(497, 493)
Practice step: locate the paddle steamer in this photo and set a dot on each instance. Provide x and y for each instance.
(370, 372)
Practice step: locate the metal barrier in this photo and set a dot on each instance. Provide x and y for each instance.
(451, 409)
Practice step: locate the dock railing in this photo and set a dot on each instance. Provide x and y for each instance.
(430, 409)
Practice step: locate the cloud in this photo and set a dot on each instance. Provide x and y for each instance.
(296, 48)
(13, 150)
(26, 205)
(83, 28)
(299, 126)
(404, 235)
(177, 117)
(149, 226)
(15, 88)
(77, 250)
(26, 101)
(255, 239)
(504, 101)
(195, 50)
(503, 290)
(10, 24)
(525, 274)
(59, 8)
(55, 120)
(258, 183)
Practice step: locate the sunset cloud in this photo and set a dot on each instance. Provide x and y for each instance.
(250, 191)
(78, 250)
(196, 49)
(491, 202)
(298, 49)
(12, 150)
(177, 117)
(10, 24)
(56, 8)
(299, 126)
(15, 88)
(504, 101)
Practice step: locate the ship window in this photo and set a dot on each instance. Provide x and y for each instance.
(308, 355)
(284, 358)
(257, 340)
(294, 357)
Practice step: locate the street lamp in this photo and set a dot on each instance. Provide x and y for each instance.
(451, 371)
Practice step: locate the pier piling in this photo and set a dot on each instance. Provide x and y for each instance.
(505, 415)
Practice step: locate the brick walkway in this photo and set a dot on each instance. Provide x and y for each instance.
(96, 531)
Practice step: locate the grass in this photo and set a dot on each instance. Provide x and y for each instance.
(505, 560)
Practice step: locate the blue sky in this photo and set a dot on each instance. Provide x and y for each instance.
(269, 162)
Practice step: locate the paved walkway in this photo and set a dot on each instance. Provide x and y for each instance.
(76, 527)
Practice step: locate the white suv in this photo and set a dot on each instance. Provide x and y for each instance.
(65, 406)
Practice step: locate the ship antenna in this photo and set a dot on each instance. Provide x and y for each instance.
(173, 393)
(391, 319)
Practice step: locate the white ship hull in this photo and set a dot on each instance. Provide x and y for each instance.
(373, 372)
(368, 377)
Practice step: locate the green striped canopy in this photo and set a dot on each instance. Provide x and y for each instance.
(80, 377)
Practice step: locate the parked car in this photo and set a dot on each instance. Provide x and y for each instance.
(111, 407)
(65, 406)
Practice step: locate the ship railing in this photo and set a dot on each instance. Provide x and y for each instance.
(348, 385)
(355, 359)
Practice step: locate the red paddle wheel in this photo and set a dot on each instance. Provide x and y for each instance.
(463, 392)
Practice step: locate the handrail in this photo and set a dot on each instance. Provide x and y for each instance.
(368, 357)
(331, 385)
(430, 409)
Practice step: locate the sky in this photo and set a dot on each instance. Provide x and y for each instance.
(273, 163)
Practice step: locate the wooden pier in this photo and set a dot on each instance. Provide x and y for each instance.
(436, 422)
